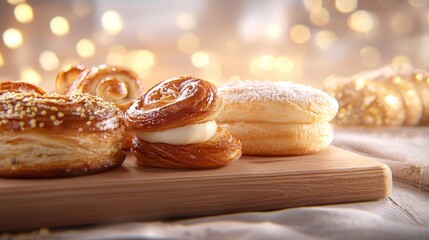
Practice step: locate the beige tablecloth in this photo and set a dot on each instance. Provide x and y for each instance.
(405, 150)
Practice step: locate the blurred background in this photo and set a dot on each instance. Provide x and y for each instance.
(217, 40)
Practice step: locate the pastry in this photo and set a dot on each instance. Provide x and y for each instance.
(112, 83)
(390, 96)
(53, 135)
(277, 118)
(175, 128)
(14, 86)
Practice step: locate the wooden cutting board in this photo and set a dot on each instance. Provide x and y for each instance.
(250, 184)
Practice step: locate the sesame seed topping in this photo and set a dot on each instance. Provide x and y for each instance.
(32, 123)
(18, 111)
(57, 122)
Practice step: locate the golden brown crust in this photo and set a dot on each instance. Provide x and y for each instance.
(221, 150)
(115, 84)
(55, 135)
(19, 87)
(174, 103)
(55, 112)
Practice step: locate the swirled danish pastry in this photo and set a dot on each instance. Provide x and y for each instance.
(175, 128)
(115, 84)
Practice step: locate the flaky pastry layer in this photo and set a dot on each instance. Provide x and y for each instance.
(219, 151)
(60, 154)
(268, 139)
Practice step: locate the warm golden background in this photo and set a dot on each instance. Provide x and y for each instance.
(218, 40)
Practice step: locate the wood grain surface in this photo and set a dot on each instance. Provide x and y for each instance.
(250, 184)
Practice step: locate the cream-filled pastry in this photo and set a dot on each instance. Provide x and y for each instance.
(174, 126)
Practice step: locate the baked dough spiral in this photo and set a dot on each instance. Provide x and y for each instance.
(112, 83)
(53, 135)
(176, 103)
(274, 118)
(390, 96)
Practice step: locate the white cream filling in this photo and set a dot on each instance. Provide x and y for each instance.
(189, 134)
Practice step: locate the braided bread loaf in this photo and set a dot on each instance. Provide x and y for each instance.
(390, 96)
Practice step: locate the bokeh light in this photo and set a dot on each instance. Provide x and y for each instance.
(391, 100)
(23, 13)
(59, 26)
(300, 33)
(200, 59)
(112, 22)
(12, 38)
(30, 75)
(85, 48)
(362, 21)
(325, 38)
(320, 17)
(346, 6)
(49, 61)
(266, 62)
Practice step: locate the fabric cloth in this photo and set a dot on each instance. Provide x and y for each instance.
(298, 223)
(404, 150)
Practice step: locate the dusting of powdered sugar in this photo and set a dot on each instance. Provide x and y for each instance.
(269, 91)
